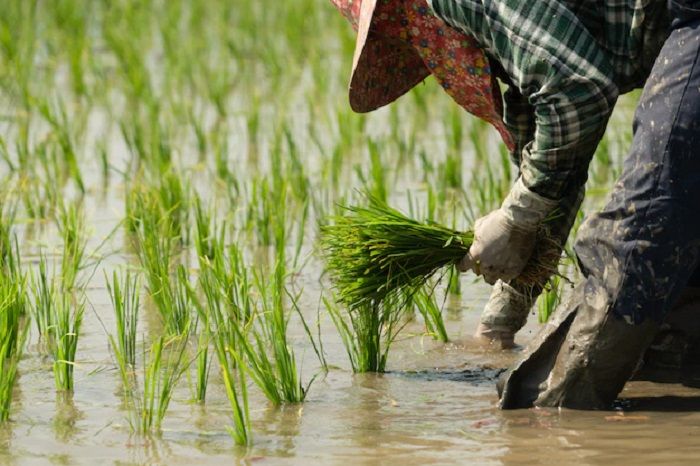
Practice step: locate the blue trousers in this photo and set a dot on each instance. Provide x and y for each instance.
(638, 253)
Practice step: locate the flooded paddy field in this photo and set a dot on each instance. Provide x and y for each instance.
(193, 148)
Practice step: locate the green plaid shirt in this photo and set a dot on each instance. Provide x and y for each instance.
(565, 62)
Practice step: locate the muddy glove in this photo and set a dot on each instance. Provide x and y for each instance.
(505, 238)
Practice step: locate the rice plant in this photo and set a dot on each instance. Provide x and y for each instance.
(236, 390)
(7, 248)
(65, 132)
(166, 287)
(203, 366)
(163, 366)
(227, 307)
(550, 298)
(162, 204)
(264, 348)
(13, 333)
(71, 224)
(368, 331)
(43, 291)
(376, 251)
(432, 314)
(260, 212)
(206, 230)
(124, 292)
(10, 355)
(64, 331)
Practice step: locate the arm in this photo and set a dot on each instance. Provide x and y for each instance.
(519, 117)
(557, 66)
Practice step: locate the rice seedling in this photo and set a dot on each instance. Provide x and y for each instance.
(64, 331)
(38, 199)
(13, 311)
(263, 345)
(10, 355)
(375, 252)
(203, 366)
(8, 259)
(376, 183)
(368, 330)
(43, 291)
(163, 366)
(65, 133)
(254, 331)
(549, 299)
(162, 205)
(165, 286)
(124, 292)
(295, 177)
(205, 230)
(228, 306)
(259, 217)
(432, 314)
(453, 284)
(235, 383)
(71, 224)
(13, 333)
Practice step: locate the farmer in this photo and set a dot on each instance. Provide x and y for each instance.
(639, 254)
(569, 61)
(564, 63)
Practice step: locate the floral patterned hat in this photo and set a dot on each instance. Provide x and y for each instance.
(401, 42)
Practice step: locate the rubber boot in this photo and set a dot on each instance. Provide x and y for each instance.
(637, 254)
(674, 355)
(581, 359)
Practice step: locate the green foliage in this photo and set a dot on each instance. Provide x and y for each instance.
(64, 331)
(374, 252)
(432, 314)
(163, 366)
(71, 224)
(124, 291)
(550, 298)
(368, 330)
(13, 333)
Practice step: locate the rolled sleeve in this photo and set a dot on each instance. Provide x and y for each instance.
(562, 72)
(557, 64)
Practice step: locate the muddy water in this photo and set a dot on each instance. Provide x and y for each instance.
(436, 405)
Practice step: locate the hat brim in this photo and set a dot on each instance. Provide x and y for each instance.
(384, 68)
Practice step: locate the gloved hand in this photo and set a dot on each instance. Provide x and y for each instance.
(505, 238)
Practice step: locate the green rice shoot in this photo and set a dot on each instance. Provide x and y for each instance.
(376, 251)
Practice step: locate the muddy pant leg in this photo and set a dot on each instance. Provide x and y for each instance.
(509, 304)
(636, 255)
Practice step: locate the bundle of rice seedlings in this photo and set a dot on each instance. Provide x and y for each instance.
(376, 251)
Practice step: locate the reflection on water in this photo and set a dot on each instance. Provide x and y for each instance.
(6, 456)
(435, 405)
(66, 417)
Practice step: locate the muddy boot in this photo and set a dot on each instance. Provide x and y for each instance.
(636, 254)
(674, 355)
(581, 359)
(504, 314)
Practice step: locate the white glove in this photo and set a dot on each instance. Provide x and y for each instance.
(505, 238)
